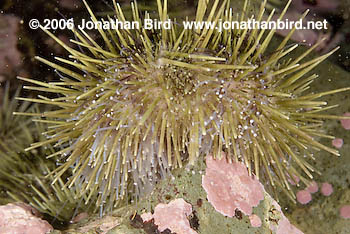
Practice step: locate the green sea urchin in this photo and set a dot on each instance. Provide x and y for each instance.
(146, 101)
(15, 132)
(23, 175)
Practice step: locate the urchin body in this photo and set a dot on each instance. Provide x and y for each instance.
(149, 101)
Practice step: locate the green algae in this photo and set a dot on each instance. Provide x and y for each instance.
(187, 184)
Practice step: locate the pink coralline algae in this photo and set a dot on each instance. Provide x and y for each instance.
(146, 217)
(172, 216)
(326, 189)
(229, 187)
(79, 217)
(345, 212)
(346, 122)
(283, 226)
(18, 219)
(255, 221)
(337, 143)
(313, 187)
(293, 181)
(304, 197)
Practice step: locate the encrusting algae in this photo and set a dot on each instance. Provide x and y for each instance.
(146, 101)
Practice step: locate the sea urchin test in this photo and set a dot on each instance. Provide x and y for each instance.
(143, 102)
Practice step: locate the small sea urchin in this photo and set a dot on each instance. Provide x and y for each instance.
(15, 132)
(23, 175)
(146, 101)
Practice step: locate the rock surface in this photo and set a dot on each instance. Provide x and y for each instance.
(19, 219)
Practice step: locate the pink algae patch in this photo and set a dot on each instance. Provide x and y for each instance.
(79, 217)
(283, 226)
(229, 187)
(337, 143)
(294, 180)
(172, 216)
(313, 187)
(346, 122)
(19, 218)
(255, 221)
(304, 197)
(146, 217)
(326, 189)
(345, 212)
